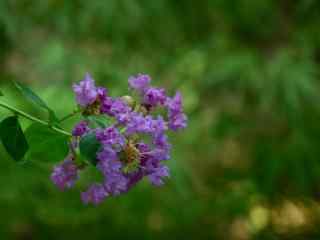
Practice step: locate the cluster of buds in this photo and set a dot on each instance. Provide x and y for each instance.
(123, 137)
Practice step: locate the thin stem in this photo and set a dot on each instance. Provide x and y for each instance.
(70, 115)
(32, 118)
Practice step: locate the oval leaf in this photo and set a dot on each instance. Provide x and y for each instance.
(89, 146)
(12, 138)
(35, 99)
(30, 95)
(46, 143)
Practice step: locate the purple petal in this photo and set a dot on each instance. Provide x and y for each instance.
(95, 194)
(86, 92)
(65, 174)
(139, 83)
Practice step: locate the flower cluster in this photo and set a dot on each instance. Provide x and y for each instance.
(130, 146)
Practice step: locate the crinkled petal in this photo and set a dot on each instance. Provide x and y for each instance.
(86, 92)
(95, 194)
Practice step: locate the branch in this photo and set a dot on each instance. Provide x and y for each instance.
(32, 118)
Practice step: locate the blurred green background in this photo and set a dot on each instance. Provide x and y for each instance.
(247, 166)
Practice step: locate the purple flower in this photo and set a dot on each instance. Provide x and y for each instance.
(132, 147)
(65, 174)
(154, 97)
(175, 104)
(134, 178)
(95, 194)
(142, 147)
(161, 141)
(102, 93)
(108, 161)
(86, 92)
(120, 110)
(116, 183)
(159, 154)
(119, 106)
(145, 151)
(106, 104)
(110, 136)
(137, 123)
(107, 154)
(80, 129)
(139, 83)
(158, 126)
(157, 175)
(177, 119)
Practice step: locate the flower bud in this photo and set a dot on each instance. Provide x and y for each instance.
(129, 100)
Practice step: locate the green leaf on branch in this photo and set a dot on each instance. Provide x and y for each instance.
(13, 138)
(46, 143)
(35, 99)
(89, 147)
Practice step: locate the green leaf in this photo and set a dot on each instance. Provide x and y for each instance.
(1, 94)
(99, 121)
(89, 146)
(46, 143)
(35, 99)
(30, 95)
(13, 138)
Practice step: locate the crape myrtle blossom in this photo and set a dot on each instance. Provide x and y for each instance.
(177, 119)
(139, 83)
(80, 129)
(155, 96)
(86, 91)
(95, 194)
(131, 144)
(65, 174)
(88, 95)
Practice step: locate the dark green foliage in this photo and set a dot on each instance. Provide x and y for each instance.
(46, 144)
(13, 138)
(89, 147)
